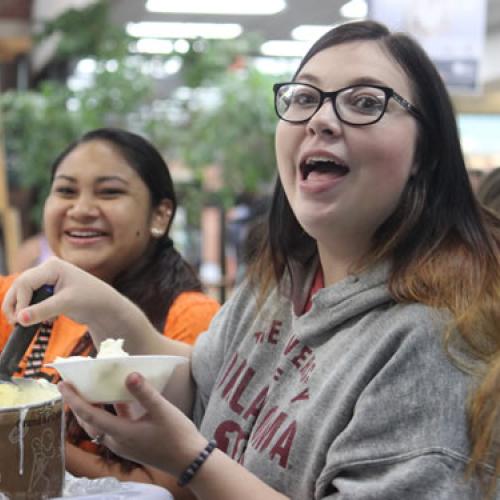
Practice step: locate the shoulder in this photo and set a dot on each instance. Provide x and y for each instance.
(412, 337)
(189, 315)
(186, 301)
(5, 326)
(6, 283)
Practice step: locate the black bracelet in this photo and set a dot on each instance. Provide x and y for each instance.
(192, 469)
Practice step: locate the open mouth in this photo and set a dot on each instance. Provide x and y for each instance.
(322, 165)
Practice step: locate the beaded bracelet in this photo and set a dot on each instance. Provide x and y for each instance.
(192, 469)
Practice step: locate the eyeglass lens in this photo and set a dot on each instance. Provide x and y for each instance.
(356, 105)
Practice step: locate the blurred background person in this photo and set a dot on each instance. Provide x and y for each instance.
(248, 210)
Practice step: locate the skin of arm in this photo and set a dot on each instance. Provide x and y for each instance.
(143, 440)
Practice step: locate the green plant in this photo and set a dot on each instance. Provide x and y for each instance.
(237, 134)
(86, 32)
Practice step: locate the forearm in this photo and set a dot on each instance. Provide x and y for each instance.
(121, 318)
(221, 478)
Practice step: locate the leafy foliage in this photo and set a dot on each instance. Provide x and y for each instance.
(86, 32)
(206, 60)
(235, 131)
(236, 134)
(39, 123)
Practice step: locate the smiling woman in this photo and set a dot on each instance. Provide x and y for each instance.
(109, 211)
(99, 214)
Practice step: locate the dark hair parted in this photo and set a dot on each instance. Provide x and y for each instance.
(443, 246)
(161, 274)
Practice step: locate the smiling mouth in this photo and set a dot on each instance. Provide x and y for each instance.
(85, 234)
(323, 166)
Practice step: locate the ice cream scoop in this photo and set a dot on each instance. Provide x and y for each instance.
(20, 339)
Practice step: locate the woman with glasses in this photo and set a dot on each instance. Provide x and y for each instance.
(361, 358)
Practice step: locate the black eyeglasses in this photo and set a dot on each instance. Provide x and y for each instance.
(354, 105)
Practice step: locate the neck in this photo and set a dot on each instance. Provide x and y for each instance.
(338, 262)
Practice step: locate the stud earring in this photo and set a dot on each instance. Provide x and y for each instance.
(156, 232)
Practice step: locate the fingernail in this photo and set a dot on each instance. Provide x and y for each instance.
(135, 379)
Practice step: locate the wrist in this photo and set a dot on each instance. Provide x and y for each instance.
(193, 468)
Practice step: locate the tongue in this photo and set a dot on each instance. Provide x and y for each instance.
(324, 174)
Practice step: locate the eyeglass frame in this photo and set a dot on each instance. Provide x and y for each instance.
(388, 91)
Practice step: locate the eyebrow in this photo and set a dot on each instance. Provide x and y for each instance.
(104, 178)
(362, 80)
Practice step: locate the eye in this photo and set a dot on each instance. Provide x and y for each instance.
(304, 97)
(110, 192)
(365, 100)
(65, 191)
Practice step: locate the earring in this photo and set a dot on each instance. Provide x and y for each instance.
(156, 232)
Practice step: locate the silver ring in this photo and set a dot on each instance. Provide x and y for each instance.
(99, 439)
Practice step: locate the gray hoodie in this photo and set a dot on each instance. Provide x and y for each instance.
(356, 399)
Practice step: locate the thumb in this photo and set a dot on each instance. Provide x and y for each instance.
(37, 313)
(145, 394)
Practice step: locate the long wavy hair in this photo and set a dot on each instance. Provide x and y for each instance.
(161, 274)
(442, 244)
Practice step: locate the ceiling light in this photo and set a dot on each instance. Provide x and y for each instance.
(285, 48)
(182, 46)
(184, 30)
(173, 65)
(238, 7)
(154, 46)
(86, 65)
(310, 32)
(354, 9)
(276, 66)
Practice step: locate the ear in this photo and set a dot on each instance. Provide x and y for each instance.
(161, 217)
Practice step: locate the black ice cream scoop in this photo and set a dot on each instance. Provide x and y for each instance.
(20, 339)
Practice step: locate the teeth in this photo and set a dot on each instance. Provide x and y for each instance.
(315, 159)
(84, 234)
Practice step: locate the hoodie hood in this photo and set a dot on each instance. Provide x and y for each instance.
(354, 296)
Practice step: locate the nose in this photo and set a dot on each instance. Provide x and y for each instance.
(84, 207)
(325, 121)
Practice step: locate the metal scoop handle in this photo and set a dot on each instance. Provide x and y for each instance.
(20, 339)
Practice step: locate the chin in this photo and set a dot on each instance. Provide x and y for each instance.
(315, 225)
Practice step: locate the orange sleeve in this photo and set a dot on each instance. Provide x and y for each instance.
(189, 315)
(5, 326)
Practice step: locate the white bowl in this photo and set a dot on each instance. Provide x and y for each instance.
(102, 380)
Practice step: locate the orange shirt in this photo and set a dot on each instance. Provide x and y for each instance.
(189, 315)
